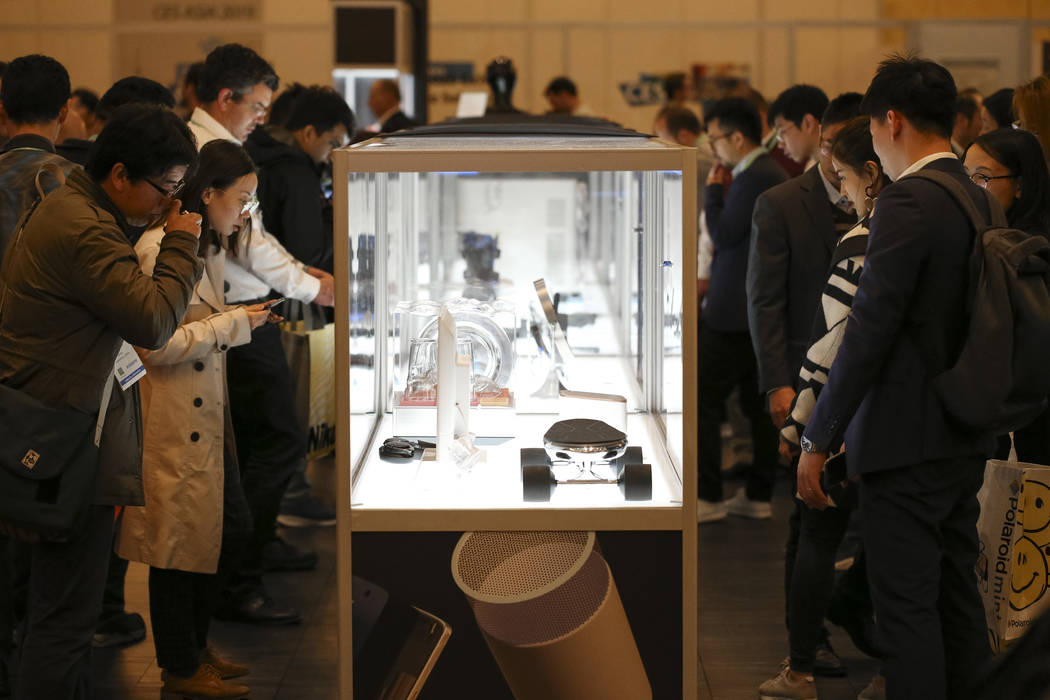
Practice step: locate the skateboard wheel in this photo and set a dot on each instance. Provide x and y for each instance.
(534, 457)
(632, 455)
(537, 482)
(636, 482)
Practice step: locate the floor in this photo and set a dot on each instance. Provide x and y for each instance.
(742, 639)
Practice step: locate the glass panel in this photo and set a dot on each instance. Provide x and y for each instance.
(672, 301)
(557, 281)
(363, 366)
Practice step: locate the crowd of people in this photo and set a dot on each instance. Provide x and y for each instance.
(830, 300)
(833, 286)
(139, 230)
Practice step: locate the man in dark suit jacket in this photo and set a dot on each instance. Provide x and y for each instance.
(794, 231)
(726, 359)
(384, 100)
(919, 471)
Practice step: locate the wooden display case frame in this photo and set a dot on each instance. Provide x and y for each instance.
(644, 155)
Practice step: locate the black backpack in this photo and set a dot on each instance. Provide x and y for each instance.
(1001, 379)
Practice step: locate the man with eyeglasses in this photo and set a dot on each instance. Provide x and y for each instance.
(291, 158)
(726, 357)
(235, 89)
(796, 227)
(74, 292)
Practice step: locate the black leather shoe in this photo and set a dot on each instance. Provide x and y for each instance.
(281, 555)
(859, 626)
(258, 608)
(827, 663)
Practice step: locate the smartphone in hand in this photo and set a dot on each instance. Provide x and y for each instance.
(835, 482)
(274, 302)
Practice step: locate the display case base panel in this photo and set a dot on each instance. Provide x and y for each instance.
(496, 482)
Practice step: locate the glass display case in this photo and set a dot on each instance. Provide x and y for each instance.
(556, 264)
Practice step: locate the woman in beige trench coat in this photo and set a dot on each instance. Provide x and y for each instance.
(195, 519)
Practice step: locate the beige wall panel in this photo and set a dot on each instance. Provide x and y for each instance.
(810, 9)
(910, 9)
(981, 8)
(635, 11)
(894, 40)
(300, 55)
(569, 10)
(18, 12)
(17, 43)
(86, 54)
(138, 53)
(720, 10)
(817, 58)
(548, 61)
(775, 73)
(722, 46)
(1039, 9)
(478, 11)
(860, 9)
(862, 49)
(297, 11)
(588, 67)
(66, 11)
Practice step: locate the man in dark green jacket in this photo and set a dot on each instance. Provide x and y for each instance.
(71, 294)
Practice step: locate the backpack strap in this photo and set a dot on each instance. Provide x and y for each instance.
(964, 200)
(976, 263)
(52, 169)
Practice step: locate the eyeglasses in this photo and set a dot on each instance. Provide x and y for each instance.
(248, 206)
(713, 138)
(782, 129)
(982, 180)
(173, 192)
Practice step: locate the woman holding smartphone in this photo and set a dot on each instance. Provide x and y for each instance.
(196, 519)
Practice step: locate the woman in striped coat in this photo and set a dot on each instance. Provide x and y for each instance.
(821, 532)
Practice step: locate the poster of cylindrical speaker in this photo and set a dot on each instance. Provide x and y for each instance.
(548, 607)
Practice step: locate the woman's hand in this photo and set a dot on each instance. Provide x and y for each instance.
(260, 314)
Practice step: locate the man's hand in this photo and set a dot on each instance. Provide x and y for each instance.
(780, 405)
(810, 465)
(326, 295)
(718, 175)
(702, 285)
(179, 220)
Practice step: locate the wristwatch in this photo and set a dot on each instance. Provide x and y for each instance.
(808, 446)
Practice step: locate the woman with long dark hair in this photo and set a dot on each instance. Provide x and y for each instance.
(821, 531)
(195, 520)
(1009, 164)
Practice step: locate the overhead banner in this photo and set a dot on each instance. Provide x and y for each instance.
(137, 11)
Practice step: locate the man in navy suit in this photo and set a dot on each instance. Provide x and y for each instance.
(919, 471)
(726, 358)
